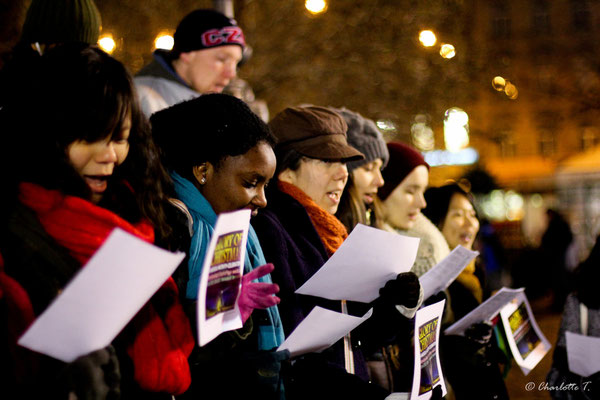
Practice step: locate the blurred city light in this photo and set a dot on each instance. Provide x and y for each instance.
(386, 125)
(107, 43)
(316, 6)
(447, 51)
(498, 83)
(422, 134)
(438, 158)
(501, 206)
(456, 129)
(164, 42)
(511, 91)
(427, 38)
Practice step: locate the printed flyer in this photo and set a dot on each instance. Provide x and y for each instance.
(525, 339)
(220, 281)
(427, 369)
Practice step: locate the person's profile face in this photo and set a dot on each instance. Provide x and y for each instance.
(95, 162)
(367, 180)
(322, 181)
(239, 182)
(406, 201)
(210, 70)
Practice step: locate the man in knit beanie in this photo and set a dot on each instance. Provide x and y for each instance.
(208, 47)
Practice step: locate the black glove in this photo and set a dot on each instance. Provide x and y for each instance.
(436, 298)
(436, 393)
(95, 376)
(402, 291)
(480, 332)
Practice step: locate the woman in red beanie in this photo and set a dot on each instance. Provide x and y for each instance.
(83, 163)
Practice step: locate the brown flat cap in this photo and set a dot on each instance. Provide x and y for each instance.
(315, 132)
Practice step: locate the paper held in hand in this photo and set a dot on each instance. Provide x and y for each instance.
(367, 259)
(527, 343)
(319, 330)
(445, 272)
(485, 312)
(428, 369)
(583, 354)
(102, 298)
(222, 271)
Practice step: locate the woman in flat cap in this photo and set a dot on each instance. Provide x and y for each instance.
(299, 232)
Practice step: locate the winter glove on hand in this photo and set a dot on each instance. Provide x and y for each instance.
(480, 332)
(257, 294)
(96, 375)
(402, 291)
(436, 393)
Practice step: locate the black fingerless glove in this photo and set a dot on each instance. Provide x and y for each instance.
(402, 291)
(436, 393)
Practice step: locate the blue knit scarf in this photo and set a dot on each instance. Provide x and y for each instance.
(204, 225)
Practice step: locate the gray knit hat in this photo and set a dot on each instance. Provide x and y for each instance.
(65, 21)
(364, 135)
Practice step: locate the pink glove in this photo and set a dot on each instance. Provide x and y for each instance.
(257, 294)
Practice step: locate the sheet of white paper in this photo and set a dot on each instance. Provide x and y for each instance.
(583, 353)
(485, 311)
(367, 259)
(220, 282)
(319, 330)
(427, 372)
(102, 298)
(527, 343)
(445, 272)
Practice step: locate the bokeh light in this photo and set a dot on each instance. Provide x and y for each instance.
(447, 51)
(315, 6)
(107, 43)
(498, 83)
(164, 42)
(427, 38)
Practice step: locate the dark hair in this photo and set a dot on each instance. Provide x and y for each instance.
(207, 129)
(438, 201)
(353, 210)
(80, 93)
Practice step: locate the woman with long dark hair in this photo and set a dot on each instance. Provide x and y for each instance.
(83, 163)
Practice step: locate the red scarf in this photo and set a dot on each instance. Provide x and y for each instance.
(331, 231)
(162, 343)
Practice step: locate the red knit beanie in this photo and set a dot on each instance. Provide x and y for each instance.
(403, 159)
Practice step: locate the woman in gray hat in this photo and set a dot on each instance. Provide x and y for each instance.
(299, 232)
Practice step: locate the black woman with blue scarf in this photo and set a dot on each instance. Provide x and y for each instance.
(220, 158)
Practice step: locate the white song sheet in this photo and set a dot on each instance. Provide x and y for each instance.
(583, 354)
(367, 259)
(445, 272)
(220, 283)
(102, 298)
(319, 330)
(527, 343)
(427, 373)
(485, 311)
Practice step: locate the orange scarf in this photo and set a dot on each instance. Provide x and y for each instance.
(331, 231)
